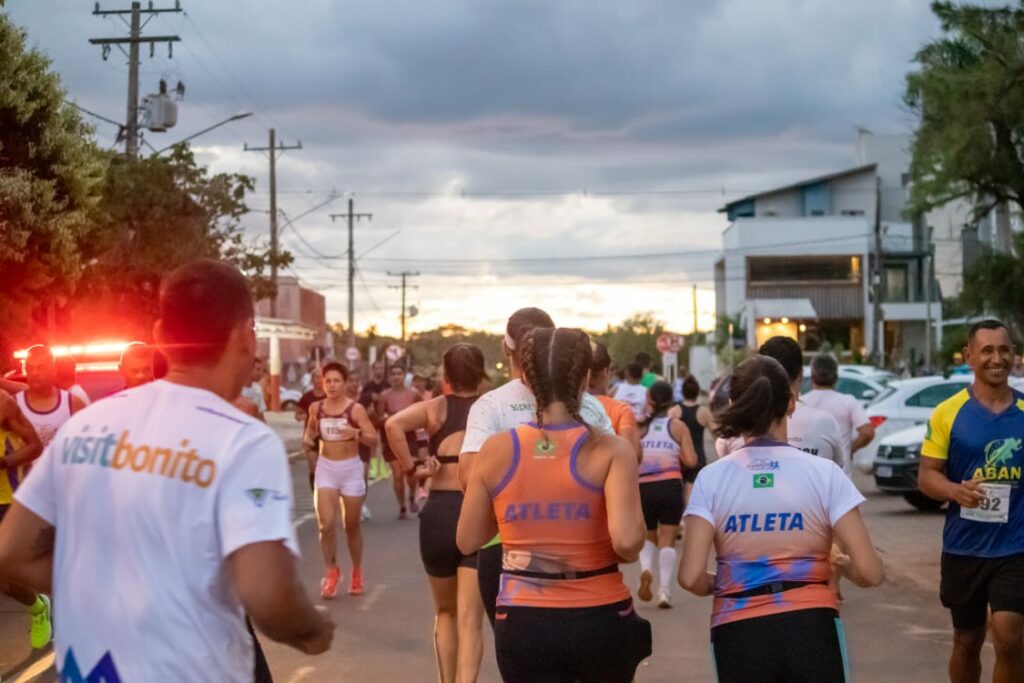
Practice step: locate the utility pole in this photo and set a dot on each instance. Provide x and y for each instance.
(134, 39)
(695, 311)
(275, 150)
(405, 274)
(876, 279)
(352, 217)
(929, 273)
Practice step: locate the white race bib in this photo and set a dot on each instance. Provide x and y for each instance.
(993, 508)
(331, 428)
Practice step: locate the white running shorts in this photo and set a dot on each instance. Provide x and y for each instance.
(344, 476)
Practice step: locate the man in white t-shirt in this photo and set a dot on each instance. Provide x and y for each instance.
(632, 392)
(253, 390)
(809, 429)
(174, 512)
(853, 422)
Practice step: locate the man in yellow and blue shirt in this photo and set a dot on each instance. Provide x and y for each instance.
(973, 457)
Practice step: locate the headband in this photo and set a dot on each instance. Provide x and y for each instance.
(510, 343)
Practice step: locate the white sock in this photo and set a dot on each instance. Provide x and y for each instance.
(666, 566)
(647, 556)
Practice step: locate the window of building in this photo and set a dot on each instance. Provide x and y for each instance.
(776, 269)
(897, 285)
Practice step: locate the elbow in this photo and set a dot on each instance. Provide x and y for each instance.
(690, 580)
(465, 544)
(873, 575)
(628, 549)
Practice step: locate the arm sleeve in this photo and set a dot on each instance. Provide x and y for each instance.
(254, 497)
(594, 414)
(38, 492)
(700, 501)
(843, 495)
(480, 425)
(936, 436)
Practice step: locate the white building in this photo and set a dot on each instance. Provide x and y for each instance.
(797, 260)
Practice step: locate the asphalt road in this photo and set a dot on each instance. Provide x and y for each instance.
(896, 633)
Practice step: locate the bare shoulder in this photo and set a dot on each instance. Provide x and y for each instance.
(612, 446)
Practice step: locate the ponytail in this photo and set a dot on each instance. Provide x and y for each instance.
(759, 396)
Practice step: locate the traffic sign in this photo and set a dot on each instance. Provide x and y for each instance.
(352, 354)
(670, 343)
(394, 353)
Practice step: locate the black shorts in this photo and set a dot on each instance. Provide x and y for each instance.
(410, 440)
(488, 577)
(438, 520)
(662, 502)
(592, 644)
(762, 648)
(969, 585)
(690, 473)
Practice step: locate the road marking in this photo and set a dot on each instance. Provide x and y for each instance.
(375, 593)
(303, 519)
(301, 674)
(36, 669)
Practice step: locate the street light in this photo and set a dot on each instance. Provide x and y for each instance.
(237, 117)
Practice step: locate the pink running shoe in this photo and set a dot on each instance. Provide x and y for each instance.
(329, 584)
(356, 587)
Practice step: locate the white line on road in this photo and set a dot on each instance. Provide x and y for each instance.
(375, 593)
(301, 674)
(37, 669)
(303, 519)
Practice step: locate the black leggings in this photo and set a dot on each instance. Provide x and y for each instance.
(590, 644)
(488, 576)
(805, 645)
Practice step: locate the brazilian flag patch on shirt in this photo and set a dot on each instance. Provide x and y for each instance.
(764, 481)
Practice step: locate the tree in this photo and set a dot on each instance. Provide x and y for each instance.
(968, 93)
(995, 285)
(50, 175)
(155, 214)
(632, 336)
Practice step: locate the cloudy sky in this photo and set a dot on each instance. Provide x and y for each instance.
(568, 154)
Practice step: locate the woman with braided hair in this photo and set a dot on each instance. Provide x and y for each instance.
(667, 449)
(500, 410)
(566, 501)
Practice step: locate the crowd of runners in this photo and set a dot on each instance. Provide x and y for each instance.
(173, 501)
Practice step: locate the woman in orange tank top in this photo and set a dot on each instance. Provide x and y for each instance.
(566, 502)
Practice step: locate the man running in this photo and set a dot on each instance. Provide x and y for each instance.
(368, 396)
(167, 493)
(253, 389)
(136, 366)
(396, 398)
(19, 446)
(632, 392)
(973, 456)
(46, 405)
(854, 425)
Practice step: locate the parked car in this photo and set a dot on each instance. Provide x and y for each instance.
(290, 399)
(871, 372)
(896, 463)
(863, 388)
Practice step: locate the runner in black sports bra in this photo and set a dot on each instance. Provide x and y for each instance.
(453, 581)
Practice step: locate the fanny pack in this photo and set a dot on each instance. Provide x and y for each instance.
(562, 576)
(772, 588)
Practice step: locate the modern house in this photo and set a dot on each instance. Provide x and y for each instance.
(799, 260)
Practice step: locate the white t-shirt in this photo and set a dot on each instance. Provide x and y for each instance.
(150, 491)
(254, 392)
(773, 508)
(847, 411)
(635, 396)
(811, 430)
(513, 404)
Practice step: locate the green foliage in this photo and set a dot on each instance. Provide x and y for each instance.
(633, 335)
(954, 339)
(49, 184)
(995, 285)
(968, 93)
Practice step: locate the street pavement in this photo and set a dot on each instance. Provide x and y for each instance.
(896, 633)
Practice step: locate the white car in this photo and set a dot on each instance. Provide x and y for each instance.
(863, 388)
(869, 371)
(896, 463)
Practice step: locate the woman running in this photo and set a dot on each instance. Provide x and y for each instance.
(566, 501)
(458, 610)
(667, 449)
(771, 512)
(500, 410)
(621, 415)
(341, 424)
(697, 419)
